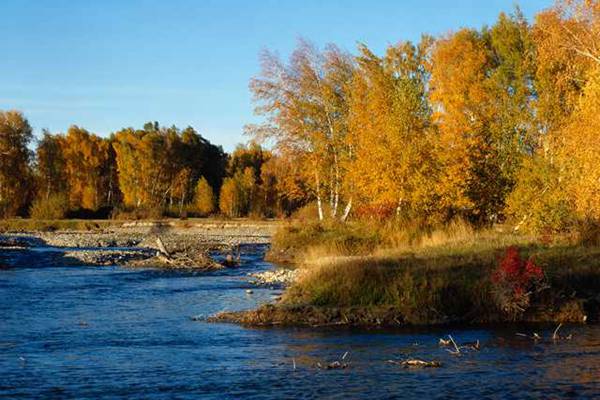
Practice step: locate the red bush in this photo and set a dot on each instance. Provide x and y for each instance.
(515, 280)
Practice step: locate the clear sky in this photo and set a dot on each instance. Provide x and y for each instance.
(109, 64)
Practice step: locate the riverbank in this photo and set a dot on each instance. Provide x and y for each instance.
(164, 244)
(350, 279)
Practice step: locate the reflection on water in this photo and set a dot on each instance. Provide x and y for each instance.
(89, 332)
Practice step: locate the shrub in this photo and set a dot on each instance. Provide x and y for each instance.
(55, 206)
(514, 281)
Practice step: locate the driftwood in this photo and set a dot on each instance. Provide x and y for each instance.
(471, 345)
(416, 363)
(162, 248)
(333, 365)
(457, 348)
(341, 364)
(165, 259)
(555, 335)
(534, 336)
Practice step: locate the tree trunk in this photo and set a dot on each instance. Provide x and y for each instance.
(181, 204)
(347, 211)
(319, 203)
(336, 198)
(398, 208)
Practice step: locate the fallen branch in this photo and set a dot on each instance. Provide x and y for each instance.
(555, 333)
(162, 248)
(556, 336)
(471, 345)
(455, 346)
(535, 336)
(333, 365)
(165, 259)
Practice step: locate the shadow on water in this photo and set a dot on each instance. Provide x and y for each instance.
(93, 332)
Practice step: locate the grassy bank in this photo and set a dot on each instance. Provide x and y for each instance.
(354, 275)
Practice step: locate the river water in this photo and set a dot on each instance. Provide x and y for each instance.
(110, 332)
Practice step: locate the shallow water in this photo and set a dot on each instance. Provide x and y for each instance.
(110, 332)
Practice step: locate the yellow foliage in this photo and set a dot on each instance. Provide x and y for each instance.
(204, 197)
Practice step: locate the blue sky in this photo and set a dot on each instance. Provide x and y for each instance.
(110, 64)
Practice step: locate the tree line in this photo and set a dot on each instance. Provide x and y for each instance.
(483, 124)
(149, 172)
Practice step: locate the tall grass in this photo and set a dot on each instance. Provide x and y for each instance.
(425, 275)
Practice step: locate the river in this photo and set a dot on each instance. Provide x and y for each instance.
(109, 332)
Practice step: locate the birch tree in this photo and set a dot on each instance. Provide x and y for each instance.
(305, 106)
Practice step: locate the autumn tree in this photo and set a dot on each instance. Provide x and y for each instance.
(50, 166)
(284, 186)
(481, 90)
(305, 106)
(204, 197)
(248, 156)
(85, 157)
(566, 39)
(580, 154)
(230, 198)
(389, 126)
(245, 166)
(461, 102)
(15, 172)
(564, 186)
(159, 166)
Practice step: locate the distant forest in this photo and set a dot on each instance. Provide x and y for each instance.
(487, 125)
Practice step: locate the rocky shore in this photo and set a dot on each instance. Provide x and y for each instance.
(280, 277)
(147, 244)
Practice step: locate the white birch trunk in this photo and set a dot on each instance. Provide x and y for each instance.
(347, 211)
(319, 202)
(336, 200)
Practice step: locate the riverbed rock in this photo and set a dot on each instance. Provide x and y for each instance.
(280, 276)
